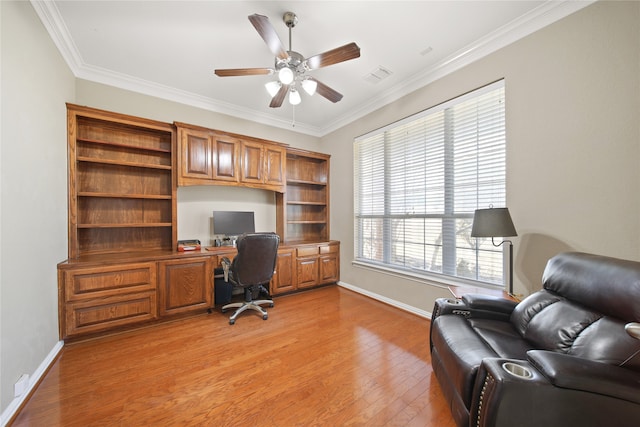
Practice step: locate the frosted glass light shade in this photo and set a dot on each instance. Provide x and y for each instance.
(273, 88)
(285, 75)
(309, 86)
(294, 97)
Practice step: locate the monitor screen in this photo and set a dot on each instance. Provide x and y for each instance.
(230, 223)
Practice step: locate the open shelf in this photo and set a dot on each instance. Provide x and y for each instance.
(305, 206)
(121, 184)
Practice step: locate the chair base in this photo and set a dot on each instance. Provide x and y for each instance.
(247, 305)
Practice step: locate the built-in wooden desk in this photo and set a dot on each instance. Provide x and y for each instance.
(107, 292)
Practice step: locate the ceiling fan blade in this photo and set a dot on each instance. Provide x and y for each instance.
(231, 72)
(269, 35)
(277, 100)
(324, 90)
(334, 56)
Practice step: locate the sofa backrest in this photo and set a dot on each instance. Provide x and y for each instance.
(609, 285)
(577, 312)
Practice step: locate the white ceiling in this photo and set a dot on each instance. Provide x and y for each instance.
(169, 49)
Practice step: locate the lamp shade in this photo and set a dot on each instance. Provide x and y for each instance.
(492, 222)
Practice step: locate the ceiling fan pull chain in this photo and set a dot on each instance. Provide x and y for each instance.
(293, 119)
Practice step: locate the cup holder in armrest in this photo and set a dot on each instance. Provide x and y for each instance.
(454, 301)
(518, 371)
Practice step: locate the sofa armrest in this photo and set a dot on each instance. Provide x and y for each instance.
(571, 372)
(489, 303)
(510, 392)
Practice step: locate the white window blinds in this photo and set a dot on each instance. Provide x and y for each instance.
(418, 182)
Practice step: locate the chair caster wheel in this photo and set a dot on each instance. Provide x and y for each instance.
(265, 317)
(232, 322)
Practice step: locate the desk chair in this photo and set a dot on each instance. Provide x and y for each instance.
(252, 269)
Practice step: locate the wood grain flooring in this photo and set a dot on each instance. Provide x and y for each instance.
(326, 357)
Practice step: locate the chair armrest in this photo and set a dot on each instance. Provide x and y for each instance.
(226, 264)
(572, 372)
(489, 303)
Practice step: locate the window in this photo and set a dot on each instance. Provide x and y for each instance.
(418, 182)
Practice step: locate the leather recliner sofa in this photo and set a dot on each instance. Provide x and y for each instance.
(561, 357)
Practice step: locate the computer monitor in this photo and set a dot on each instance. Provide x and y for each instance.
(233, 223)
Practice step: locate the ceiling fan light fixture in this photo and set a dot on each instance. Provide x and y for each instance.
(273, 87)
(294, 97)
(285, 75)
(309, 86)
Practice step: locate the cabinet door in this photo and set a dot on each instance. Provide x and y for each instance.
(275, 158)
(252, 162)
(329, 263)
(225, 158)
(329, 269)
(185, 285)
(196, 159)
(307, 271)
(284, 279)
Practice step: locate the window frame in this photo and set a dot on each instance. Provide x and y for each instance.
(448, 216)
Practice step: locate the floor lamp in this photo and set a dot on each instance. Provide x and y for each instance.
(495, 222)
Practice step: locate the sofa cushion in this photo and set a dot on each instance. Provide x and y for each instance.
(461, 351)
(531, 306)
(557, 326)
(501, 337)
(606, 341)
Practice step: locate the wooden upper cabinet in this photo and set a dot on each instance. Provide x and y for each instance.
(252, 162)
(275, 161)
(196, 156)
(225, 158)
(210, 157)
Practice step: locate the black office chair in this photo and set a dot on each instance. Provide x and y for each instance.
(252, 269)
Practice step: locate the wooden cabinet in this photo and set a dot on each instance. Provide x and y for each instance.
(122, 195)
(284, 279)
(210, 157)
(303, 210)
(123, 268)
(206, 157)
(185, 285)
(329, 263)
(95, 299)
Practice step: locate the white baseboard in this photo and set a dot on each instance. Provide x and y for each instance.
(15, 404)
(386, 300)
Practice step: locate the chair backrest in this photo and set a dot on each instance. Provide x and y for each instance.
(256, 259)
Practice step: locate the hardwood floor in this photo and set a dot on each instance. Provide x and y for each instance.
(324, 357)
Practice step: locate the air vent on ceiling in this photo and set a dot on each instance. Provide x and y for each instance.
(377, 75)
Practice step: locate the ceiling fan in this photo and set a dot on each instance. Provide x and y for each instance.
(290, 66)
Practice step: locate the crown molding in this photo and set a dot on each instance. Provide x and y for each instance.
(536, 19)
(545, 14)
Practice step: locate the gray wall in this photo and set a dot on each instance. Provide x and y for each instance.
(36, 83)
(573, 146)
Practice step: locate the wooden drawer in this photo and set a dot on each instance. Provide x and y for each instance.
(99, 282)
(89, 316)
(329, 249)
(307, 251)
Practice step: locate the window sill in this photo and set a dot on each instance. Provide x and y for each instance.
(437, 280)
